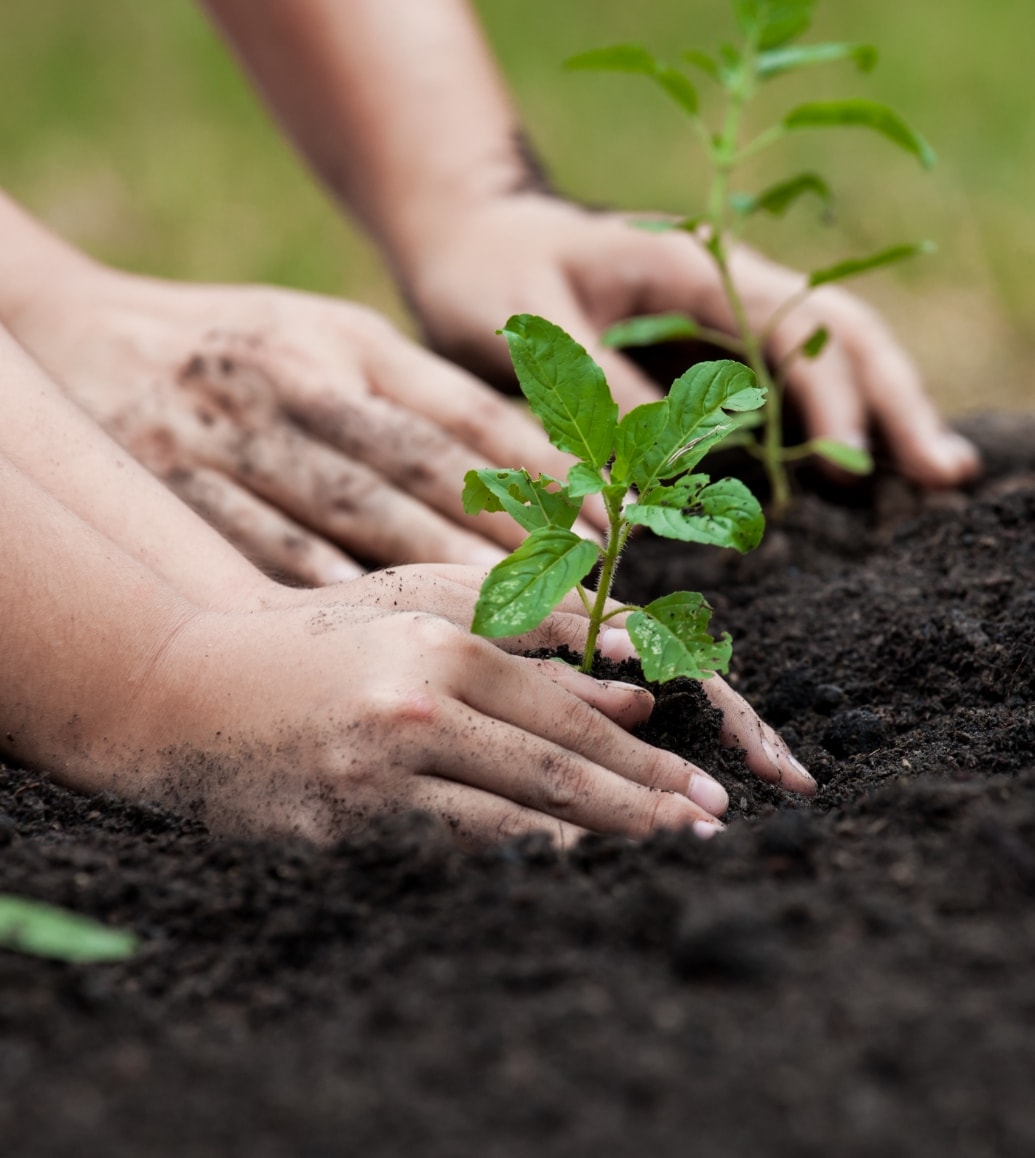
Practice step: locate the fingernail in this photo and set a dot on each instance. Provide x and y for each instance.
(706, 829)
(615, 643)
(708, 793)
(801, 769)
(954, 452)
(856, 439)
(343, 572)
(770, 753)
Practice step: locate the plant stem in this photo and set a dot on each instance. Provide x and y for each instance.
(612, 550)
(725, 157)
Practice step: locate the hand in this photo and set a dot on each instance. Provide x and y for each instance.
(586, 270)
(307, 430)
(450, 593)
(311, 720)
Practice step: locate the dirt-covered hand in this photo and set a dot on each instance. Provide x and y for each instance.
(312, 720)
(450, 591)
(586, 270)
(310, 431)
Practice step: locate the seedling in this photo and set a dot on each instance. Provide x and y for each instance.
(767, 50)
(641, 467)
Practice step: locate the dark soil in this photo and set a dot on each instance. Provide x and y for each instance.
(851, 976)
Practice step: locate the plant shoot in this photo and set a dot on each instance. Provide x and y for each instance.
(643, 467)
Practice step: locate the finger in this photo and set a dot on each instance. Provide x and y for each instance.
(824, 389)
(498, 430)
(767, 755)
(245, 436)
(514, 692)
(262, 533)
(628, 705)
(477, 818)
(535, 772)
(349, 503)
(923, 448)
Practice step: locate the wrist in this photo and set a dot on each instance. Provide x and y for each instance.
(34, 263)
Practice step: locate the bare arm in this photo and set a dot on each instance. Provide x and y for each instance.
(385, 98)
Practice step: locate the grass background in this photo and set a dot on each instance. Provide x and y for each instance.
(128, 128)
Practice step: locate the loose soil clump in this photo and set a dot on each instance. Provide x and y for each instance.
(849, 975)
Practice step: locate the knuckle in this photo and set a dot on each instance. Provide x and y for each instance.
(563, 785)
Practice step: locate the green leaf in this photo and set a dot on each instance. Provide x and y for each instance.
(650, 329)
(780, 60)
(769, 23)
(634, 58)
(864, 114)
(816, 342)
(849, 458)
(706, 387)
(643, 444)
(671, 636)
(522, 590)
(723, 514)
(777, 199)
(565, 388)
(529, 502)
(657, 442)
(585, 480)
(856, 265)
(46, 931)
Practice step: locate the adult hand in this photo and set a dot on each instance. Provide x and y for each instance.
(309, 431)
(586, 270)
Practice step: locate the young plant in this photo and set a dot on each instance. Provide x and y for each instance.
(641, 466)
(767, 50)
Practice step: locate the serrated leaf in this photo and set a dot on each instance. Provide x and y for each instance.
(816, 342)
(634, 58)
(42, 930)
(769, 23)
(650, 329)
(585, 480)
(522, 590)
(643, 443)
(778, 198)
(862, 114)
(776, 61)
(672, 639)
(853, 266)
(722, 514)
(529, 502)
(849, 458)
(709, 385)
(565, 388)
(697, 419)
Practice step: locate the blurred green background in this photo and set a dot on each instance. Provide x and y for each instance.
(127, 127)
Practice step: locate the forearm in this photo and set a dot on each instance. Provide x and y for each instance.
(83, 628)
(31, 257)
(397, 105)
(66, 454)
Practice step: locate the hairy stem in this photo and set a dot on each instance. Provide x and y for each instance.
(612, 550)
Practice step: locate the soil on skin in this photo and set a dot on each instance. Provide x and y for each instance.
(847, 976)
